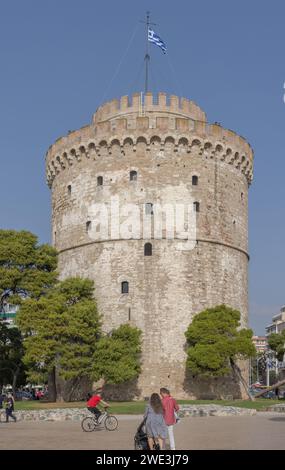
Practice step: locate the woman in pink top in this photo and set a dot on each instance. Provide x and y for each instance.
(169, 407)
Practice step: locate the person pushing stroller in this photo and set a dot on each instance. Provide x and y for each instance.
(156, 429)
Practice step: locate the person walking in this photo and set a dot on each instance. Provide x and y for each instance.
(2, 412)
(10, 408)
(156, 429)
(170, 407)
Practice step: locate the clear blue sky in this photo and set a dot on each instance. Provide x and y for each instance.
(57, 58)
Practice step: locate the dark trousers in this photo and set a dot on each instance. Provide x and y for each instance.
(95, 411)
(9, 414)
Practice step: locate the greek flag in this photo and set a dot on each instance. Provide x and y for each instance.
(152, 37)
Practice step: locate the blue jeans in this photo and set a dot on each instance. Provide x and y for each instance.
(9, 414)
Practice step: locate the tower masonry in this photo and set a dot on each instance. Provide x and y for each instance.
(162, 151)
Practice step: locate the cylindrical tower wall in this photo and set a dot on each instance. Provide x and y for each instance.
(166, 144)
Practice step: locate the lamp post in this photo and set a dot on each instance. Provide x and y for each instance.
(267, 372)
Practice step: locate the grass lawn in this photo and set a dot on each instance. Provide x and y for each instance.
(137, 407)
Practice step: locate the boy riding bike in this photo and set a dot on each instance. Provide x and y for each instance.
(94, 401)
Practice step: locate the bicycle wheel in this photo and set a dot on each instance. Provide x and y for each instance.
(111, 423)
(88, 424)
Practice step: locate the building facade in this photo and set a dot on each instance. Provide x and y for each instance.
(160, 151)
(260, 343)
(8, 314)
(278, 323)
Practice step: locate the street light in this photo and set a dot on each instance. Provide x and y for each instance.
(257, 373)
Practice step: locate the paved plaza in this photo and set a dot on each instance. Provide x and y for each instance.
(263, 431)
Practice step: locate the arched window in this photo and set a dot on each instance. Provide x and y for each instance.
(125, 287)
(88, 225)
(69, 190)
(99, 180)
(149, 208)
(133, 176)
(195, 180)
(148, 249)
(196, 206)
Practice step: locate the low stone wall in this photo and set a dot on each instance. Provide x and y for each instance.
(55, 414)
(213, 410)
(77, 414)
(278, 408)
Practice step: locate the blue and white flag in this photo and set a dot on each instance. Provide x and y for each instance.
(152, 37)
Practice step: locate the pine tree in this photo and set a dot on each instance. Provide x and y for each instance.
(11, 357)
(26, 268)
(117, 356)
(61, 331)
(276, 342)
(215, 343)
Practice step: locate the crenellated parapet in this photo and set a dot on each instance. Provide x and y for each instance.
(170, 126)
(149, 103)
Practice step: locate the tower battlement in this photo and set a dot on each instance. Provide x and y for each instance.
(120, 125)
(150, 103)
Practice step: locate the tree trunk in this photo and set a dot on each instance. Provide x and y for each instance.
(277, 385)
(75, 383)
(52, 392)
(238, 374)
(14, 384)
(59, 386)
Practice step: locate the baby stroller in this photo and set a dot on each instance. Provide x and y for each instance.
(140, 439)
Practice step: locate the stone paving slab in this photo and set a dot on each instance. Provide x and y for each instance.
(262, 431)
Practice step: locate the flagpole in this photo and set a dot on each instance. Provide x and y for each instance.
(147, 56)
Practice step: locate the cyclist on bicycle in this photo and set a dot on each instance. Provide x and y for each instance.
(94, 401)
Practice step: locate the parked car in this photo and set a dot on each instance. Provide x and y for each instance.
(23, 395)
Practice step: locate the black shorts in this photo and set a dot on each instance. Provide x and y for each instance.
(95, 411)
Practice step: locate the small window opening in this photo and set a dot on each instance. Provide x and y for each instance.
(125, 287)
(148, 249)
(69, 190)
(99, 180)
(149, 208)
(195, 180)
(88, 226)
(133, 176)
(196, 205)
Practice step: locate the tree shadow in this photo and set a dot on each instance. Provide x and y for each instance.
(126, 391)
(73, 390)
(216, 388)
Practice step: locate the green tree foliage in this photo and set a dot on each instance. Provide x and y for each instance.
(11, 356)
(61, 330)
(25, 267)
(215, 342)
(276, 342)
(117, 356)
